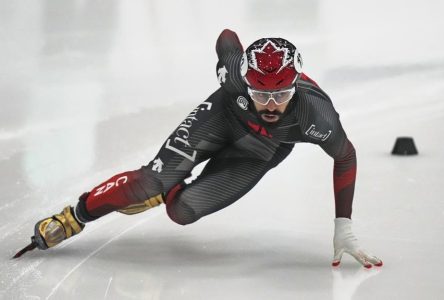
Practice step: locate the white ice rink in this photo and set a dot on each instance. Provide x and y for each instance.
(92, 88)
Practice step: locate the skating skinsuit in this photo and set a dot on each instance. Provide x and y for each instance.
(226, 130)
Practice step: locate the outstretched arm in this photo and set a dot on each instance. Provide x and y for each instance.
(344, 176)
(320, 124)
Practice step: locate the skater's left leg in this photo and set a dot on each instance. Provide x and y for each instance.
(223, 181)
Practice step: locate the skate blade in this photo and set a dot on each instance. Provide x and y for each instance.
(30, 247)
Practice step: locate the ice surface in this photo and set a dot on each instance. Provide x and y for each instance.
(92, 88)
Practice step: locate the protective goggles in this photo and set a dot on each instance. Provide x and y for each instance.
(279, 97)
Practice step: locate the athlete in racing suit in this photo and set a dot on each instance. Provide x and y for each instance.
(241, 143)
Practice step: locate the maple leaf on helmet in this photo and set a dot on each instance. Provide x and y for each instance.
(271, 64)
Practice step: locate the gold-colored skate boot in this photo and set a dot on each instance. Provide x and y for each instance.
(53, 230)
(141, 207)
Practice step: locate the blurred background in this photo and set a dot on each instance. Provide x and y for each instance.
(92, 88)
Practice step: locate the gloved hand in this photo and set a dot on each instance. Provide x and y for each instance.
(345, 241)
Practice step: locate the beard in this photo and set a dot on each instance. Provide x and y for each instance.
(270, 116)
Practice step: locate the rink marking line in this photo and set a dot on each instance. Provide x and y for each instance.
(107, 288)
(55, 288)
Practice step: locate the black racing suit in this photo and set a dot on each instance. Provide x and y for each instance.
(226, 130)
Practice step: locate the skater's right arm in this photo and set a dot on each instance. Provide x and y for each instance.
(230, 54)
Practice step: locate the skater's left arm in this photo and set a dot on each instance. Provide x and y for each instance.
(320, 124)
(344, 176)
(343, 152)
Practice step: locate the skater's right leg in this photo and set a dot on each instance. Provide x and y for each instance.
(198, 137)
(128, 189)
(129, 192)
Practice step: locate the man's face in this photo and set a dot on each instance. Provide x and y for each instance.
(271, 112)
(271, 105)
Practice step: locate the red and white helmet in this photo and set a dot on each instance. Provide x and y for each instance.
(271, 64)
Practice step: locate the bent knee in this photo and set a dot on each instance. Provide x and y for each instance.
(181, 213)
(177, 208)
